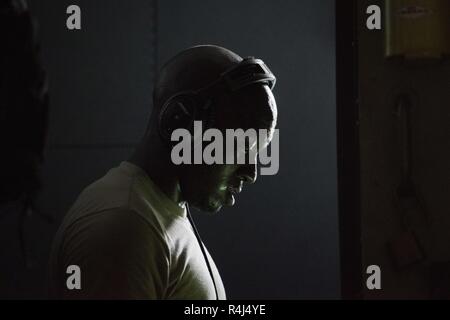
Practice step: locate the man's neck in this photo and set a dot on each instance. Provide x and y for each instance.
(154, 159)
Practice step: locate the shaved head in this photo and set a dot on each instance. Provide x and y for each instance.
(192, 69)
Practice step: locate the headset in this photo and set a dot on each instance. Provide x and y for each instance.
(183, 108)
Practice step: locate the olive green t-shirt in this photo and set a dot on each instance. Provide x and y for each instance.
(130, 241)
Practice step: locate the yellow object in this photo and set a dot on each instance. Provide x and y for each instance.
(417, 29)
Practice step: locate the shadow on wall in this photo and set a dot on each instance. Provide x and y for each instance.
(23, 132)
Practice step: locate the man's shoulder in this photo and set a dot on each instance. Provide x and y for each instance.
(119, 198)
(110, 191)
(120, 231)
(118, 222)
(109, 246)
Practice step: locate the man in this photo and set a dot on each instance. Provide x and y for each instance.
(130, 233)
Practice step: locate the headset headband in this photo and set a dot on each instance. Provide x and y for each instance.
(248, 71)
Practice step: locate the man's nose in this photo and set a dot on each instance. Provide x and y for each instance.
(249, 173)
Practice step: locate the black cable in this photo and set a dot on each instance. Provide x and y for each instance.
(200, 242)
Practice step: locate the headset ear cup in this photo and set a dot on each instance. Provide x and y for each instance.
(178, 112)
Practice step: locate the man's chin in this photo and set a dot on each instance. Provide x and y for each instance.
(215, 202)
(210, 207)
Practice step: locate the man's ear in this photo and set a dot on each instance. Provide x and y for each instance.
(178, 112)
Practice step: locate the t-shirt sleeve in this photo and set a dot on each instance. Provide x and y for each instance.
(120, 256)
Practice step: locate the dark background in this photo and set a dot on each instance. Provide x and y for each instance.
(281, 239)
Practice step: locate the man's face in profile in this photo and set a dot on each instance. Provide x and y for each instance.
(210, 187)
